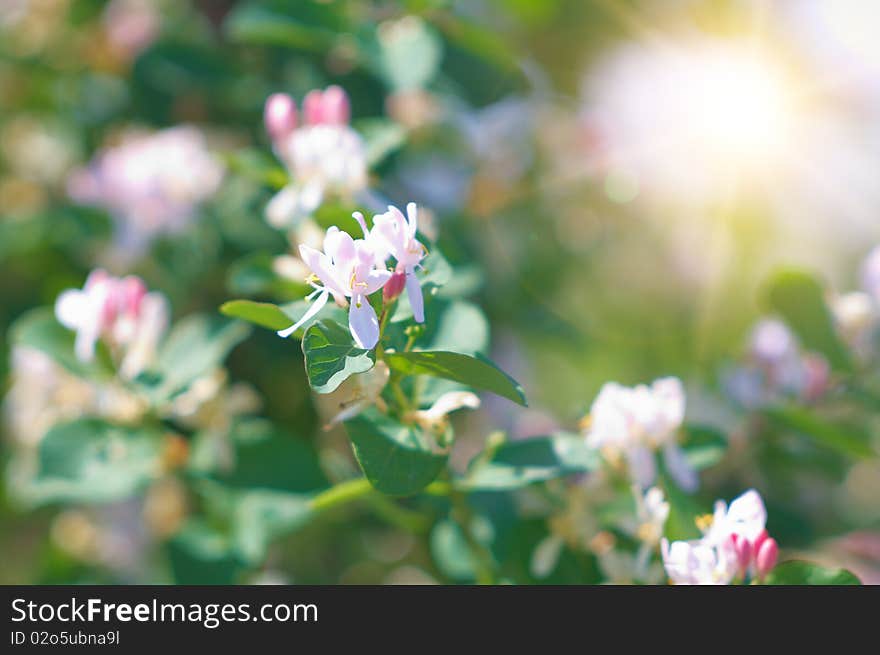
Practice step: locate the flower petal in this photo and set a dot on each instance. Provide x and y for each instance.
(414, 292)
(313, 309)
(363, 323)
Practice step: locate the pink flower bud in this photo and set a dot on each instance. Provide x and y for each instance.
(279, 115)
(336, 107)
(394, 286)
(132, 291)
(313, 107)
(765, 559)
(743, 550)
(757, 541)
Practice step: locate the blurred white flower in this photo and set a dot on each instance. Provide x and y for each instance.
(323, 155)
(633, 422)
(698, 563)
(150, 183)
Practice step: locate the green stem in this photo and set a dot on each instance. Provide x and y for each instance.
(398, 516)
(341, 493)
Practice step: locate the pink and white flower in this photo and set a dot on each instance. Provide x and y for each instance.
(323, 154)
(735, 544)
(150, 183)
(347, 270)
(394, 235)
(118, 310)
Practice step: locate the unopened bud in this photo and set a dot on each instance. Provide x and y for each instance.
(743, 549)
(132, 294)
(336, 108)
(394, 286)
(313, 107)
(279, 115)
(766, 556)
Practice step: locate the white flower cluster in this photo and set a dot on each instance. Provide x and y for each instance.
(631, 423)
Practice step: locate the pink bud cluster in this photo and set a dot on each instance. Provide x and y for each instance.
(757, 556)
(328, 107)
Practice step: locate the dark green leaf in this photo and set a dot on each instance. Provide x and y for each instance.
(397, 459)
(331, 356)
(474, 371)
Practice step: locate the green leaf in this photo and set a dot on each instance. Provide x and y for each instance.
(799, 298)
(199, 555)
(704, 446)
(397, 459)
(39, 329)
(797, 572)
(254, 24)
(266, 457)
(264, 314)
(196, 346)
(516, 464)
(850, 439)
(89, 460)
(331, 356)
(474, 371)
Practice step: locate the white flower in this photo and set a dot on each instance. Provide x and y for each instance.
(347, 270)
(634, 422)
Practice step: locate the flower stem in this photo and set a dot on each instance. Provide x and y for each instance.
(341, 493)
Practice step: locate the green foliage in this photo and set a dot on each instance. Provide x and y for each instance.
(89, 460)
(515, 464)
(473, 371)
(332, 357)
(195, 347)
(40, 330)
(849, 439)
(704, 447)
(797, 572)
(398, 459)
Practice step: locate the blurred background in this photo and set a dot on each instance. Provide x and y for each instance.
(616, 180)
